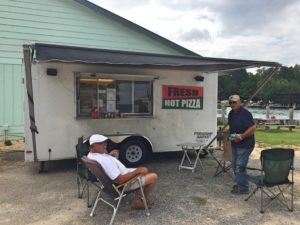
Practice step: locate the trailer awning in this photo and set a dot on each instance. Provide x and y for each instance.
(70, 54)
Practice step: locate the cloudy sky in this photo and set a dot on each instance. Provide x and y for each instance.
(257, 29)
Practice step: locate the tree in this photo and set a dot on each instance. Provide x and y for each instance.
(229, 83)
(286, 82)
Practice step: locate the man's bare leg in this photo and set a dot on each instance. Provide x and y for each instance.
(150, 180)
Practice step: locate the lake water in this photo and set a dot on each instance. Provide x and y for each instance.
(260, 113)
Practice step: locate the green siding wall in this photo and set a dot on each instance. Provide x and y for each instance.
(68, 23)
(63, 22)
(11, 99)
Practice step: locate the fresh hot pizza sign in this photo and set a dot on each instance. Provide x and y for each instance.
(182, 97)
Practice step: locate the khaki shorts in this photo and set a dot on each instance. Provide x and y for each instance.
(135, 185)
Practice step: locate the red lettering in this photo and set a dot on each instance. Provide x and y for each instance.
(173, 91)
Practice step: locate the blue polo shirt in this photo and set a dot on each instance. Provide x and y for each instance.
(239, 122)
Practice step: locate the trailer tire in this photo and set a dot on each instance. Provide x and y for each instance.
(133, 152)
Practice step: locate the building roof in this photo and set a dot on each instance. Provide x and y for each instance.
(136, 27)
(70, 54)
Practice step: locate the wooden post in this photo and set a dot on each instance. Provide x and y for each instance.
(223, 107)
(291, 116)
(267, 112)
(5, 135)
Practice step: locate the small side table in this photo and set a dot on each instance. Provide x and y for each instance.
(193, 148)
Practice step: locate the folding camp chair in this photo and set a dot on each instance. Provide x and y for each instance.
(276, 166)
(84, 176)
(224, 159)
(116, 192)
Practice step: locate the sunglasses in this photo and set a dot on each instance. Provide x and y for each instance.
(232, 102)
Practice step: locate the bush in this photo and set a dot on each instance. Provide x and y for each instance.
(8, 143)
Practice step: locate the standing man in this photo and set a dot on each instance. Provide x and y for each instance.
(242, 128)
(117, 172)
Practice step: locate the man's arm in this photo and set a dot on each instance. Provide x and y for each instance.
(249, 131)
(114, 153)
(246, 134)
(121, 179)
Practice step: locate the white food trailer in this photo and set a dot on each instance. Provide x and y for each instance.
(146, 102)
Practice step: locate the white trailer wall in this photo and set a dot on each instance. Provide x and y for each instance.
(55, 110)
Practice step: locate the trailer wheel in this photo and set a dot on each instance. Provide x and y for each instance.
(133, 152)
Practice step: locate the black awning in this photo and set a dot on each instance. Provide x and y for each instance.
(70, 54)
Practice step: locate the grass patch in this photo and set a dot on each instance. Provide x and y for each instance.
(277, 137)
(199, 200)
(274, 136)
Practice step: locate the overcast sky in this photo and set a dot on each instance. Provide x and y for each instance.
(255, 29)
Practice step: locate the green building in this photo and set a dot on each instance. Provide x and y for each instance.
(62, 22)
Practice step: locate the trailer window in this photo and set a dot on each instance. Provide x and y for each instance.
(106, 98)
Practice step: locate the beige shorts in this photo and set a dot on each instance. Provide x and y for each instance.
(135, 185)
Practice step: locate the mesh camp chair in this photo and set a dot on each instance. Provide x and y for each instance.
(224, 156)
(116, 192)
(84, 176)
(277, 166)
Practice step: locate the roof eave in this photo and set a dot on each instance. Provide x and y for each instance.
(136, 27)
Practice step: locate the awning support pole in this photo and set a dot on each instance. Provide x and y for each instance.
(273, 71)
(29, 89)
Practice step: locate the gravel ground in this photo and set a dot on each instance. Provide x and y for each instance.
(181, 197)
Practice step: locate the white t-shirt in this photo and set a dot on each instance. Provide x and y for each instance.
(112, 166)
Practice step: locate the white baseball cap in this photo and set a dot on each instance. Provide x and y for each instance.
(97, 138)
(234, 98)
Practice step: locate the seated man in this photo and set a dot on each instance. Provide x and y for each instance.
(117, 172)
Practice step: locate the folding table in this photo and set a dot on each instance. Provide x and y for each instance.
(192, 148)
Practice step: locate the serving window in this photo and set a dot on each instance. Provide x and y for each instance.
(113, 96)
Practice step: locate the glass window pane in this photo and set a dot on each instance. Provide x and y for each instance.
(98, 96)
(87, 97)
(124, 96)
(142, 96)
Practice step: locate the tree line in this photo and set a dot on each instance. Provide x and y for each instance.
(284, 88)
